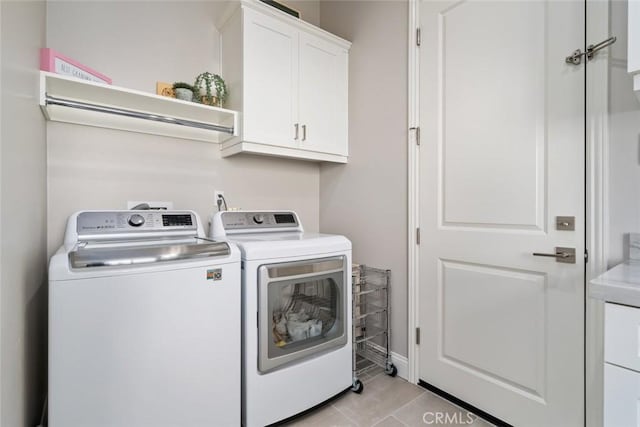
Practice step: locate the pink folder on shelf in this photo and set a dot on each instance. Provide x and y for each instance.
(55, 62)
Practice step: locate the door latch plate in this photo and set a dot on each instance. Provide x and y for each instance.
(567, 223)
(566, 255)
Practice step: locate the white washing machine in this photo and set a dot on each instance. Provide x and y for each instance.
(296, 313)
(144, 326)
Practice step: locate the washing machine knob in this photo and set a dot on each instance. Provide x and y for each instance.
(258, 219)
(136, 220)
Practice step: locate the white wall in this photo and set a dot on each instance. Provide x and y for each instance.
(23, 286)
(624, 143)
(136, 44)
(309, 9)
(93, 168)
(366, 200)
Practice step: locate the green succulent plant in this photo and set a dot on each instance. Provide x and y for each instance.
(210, 81)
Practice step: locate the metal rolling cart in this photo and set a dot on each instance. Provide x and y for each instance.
(371, 325)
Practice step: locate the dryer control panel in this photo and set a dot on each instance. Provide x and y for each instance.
(236, 222)
(259, 220)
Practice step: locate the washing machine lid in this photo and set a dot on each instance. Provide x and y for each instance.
(100, 243)
(153, 252)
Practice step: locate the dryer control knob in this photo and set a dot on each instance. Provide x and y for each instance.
(258, 219)
(136, 220)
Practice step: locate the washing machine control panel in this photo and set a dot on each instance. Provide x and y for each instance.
(116, 222)
(136, 220)
(238, 220)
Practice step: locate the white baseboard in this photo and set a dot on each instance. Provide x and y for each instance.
(402, 364)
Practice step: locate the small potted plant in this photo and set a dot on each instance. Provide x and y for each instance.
(203, 89)
(183, 91)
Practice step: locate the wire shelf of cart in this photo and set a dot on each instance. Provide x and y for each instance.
(371, 325)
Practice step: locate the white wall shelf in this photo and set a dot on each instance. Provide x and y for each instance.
(70, 100)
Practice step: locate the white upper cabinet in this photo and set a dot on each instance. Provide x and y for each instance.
(270, 72)
(323, 98)
(634, 44)
(289, 80)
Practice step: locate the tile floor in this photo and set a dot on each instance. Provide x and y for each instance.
(387, 402)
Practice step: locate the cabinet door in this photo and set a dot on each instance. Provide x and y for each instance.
(323, 96)
(621, 397)
(622, 336)
(270, 80)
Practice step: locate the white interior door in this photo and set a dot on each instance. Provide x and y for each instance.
(502, 154)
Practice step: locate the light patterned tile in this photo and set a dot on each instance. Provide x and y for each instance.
(390, 421)
(431, 409)
(370, 375)
(387, 402)
(479, 422)
(327, 416)
(381, 396)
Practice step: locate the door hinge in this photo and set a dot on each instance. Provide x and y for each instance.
(418, 38)
(417, 336)
(417, 129)
(586, 256)
(418, 236)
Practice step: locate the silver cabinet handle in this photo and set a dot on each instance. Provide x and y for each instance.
(565, 255)
(295, 138)
(304, 132)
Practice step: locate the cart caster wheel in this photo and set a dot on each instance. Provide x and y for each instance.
(357, 387)
(391, 370)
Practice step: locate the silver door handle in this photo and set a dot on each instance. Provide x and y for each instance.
(304, 132)
(565, 255)
(593, 48)
(576, 57)
(295, 138)
(558, 255)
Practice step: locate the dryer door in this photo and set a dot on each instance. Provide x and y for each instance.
(302, 309)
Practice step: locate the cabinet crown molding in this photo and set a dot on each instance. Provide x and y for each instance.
(223, 18)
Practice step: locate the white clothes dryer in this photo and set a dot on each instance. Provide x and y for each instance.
(144, 314)
(297, 350)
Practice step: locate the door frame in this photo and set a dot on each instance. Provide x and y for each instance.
(596, 201)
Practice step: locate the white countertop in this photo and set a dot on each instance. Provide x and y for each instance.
(621, 284)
